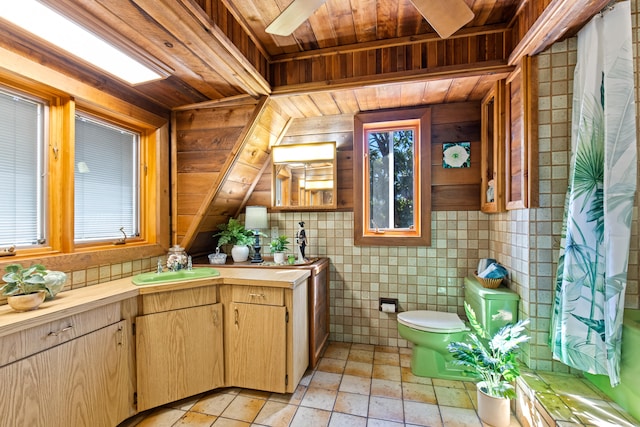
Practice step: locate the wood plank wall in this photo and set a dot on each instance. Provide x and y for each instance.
(219, 156)
(452, 189)
(468, 52)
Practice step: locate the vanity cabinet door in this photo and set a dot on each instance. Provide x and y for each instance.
(83, 382)
(318, 311)
(179, 354)
(257, 346)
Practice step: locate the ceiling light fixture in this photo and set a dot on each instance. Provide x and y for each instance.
(48, 24)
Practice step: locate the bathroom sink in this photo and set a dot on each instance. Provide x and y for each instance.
(153, 278)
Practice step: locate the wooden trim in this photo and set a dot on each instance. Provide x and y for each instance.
(39, 75)
(492, 161)
(424, 238)
(521, 187)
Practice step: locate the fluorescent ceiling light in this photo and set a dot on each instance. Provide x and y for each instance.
(303, 152)
(55, 28)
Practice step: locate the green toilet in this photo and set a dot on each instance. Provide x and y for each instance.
(431, 331)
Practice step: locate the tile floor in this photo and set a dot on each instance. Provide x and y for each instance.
(353, 385)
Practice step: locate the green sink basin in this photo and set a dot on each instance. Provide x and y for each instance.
(153, 278)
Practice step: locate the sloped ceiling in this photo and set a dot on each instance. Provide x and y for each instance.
(349, 56)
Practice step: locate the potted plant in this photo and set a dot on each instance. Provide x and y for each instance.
(234, 233)
(277, 247)
(27, 288)
(493, 360)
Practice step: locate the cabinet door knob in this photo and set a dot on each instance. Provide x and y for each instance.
(236, 316)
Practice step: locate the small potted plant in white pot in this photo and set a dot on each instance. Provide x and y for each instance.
(26, 288)
(277, 247)
(234, 233)
(492, 359)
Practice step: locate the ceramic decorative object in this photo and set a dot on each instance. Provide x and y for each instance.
(26, 302)
(240, 253)
(54, 281)
(493, 410)
(278, 257)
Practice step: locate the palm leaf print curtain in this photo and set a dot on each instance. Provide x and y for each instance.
(586, 323)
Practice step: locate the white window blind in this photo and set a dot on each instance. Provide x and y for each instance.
(106, 181)
(21, 170)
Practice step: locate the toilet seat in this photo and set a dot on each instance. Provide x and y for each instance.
(432, 321)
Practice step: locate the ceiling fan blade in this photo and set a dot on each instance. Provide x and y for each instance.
(445, 16)
(294, 15)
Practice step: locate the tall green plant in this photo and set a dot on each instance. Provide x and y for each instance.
(491, 359)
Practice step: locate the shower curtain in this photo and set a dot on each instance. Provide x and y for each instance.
(586, 323)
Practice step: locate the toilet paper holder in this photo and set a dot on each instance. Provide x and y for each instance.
(388, 305)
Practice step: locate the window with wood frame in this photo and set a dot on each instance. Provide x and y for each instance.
(392, 178)
(51, 162)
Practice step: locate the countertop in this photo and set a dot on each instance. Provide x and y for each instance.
(75, 301)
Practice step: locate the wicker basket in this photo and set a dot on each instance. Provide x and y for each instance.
(489, 283)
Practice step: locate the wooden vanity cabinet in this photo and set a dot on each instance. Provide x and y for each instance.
(179, 345)
(266, 336)
(71, 372)
(318, 302)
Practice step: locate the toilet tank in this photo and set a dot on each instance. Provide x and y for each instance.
(494, 308)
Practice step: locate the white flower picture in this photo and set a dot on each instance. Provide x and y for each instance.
(456, 155)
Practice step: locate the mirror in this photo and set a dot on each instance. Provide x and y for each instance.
(304, 176)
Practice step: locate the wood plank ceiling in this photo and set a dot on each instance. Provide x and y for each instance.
(234, 89)
(348, 56)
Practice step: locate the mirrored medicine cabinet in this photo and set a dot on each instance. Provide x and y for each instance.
(304, 176)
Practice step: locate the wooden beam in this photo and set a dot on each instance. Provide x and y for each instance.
(189, 23)
(493, 67)
(387, 43)
(559, 19)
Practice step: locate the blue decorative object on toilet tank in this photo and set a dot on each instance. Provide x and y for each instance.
(494, 271)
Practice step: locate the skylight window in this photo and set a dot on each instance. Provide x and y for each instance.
(59, 30)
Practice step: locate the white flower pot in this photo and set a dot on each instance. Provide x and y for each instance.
(495, 411)
(278, 257)
(240, 253)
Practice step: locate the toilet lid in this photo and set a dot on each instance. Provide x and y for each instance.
(432, 321)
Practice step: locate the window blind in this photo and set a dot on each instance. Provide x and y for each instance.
(106, 181)
(21, 170)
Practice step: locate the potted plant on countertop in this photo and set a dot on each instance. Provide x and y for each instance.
(234, 233)
(277, 247)
(27, 288)
(492, 359)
